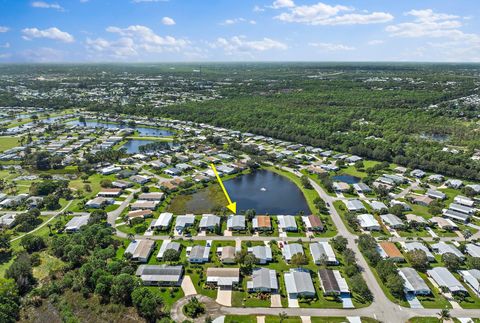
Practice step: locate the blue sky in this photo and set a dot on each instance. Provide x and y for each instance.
(241, 30)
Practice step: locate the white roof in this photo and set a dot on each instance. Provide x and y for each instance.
(286, 221)
(443, 277)
(367, 221)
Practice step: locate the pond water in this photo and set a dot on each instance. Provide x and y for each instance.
(349, 179)
(438, 137)
(133, 145)
(267, 192)
(144, 131)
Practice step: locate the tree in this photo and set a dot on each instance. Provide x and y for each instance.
(9, 301)
(122, 288)
(298, 260)
(106, 183)
(51, 202)
(21, 272)
(194, 308)
(339, 243)
(451, 261)
(473, 263)
(32, 243)
(149, 305)
(444, 314)
(395, 284)
(305, 182)
(171, 255)
(359, 286)
(282, 316)
(418, 259)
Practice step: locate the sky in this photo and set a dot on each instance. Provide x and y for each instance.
(239, 30)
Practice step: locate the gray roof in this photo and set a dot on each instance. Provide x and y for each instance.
(236, 221)
(409, 246)
(77, 222)
(443, 248)
(473, 250)
(443, 277)
(413, 281)
(391, 219)
(263, 278)
(209, 220)
(160, 273)
(291, 249)
(262, 253)
(199, 252)
(183, 220)
(298, 281)
(319, 249)
(449, 213)
(168, 245)
(286, 221)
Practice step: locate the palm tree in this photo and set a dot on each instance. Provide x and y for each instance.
(282, 316)
(49, 228)
(444, 314)
(131, 236)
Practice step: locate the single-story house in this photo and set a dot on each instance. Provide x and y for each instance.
(443, 248)
(389, 250)
(332, 282)
(287, 222)
(163, 222)
(122, 184)
(378, 206)
(262, 253)
(198, 254)
(341, 186)
(392, 221)
(368, 222)
(139, 214)
(183, 221)
(291, 249)
(361, 188)
(223, 277)
(99, 202)
(322, 250)
(472, 278)
(153, 196)
(414, 284)
(312, 223)
(144, 205)
(6, 220)
(463, 200)
(139, 179)
(227, 254)
(354, 205)
(160, 275)
(436, 194)
(140, 250)
(414, 245)
(110, 192)
(236, 223)
(421, 199)
(298, 282)
(443, 223)
(208, 222)
(262, 223)
(444, 278)
(76, 223)
(263, 280)
(168, 245)
(473, 250)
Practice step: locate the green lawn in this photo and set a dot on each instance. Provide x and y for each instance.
(7, 142)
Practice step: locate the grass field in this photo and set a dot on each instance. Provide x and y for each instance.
(8, 142)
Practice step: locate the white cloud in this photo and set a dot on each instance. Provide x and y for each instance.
(5, 55)
(283, 4)
(258, 9)
(168, 21)
(375, 42)
(235, 21)
(331, 47)
(50, 33)
(6, 45)
(240, 45)
(134, 41)
(427, 23)
(4, 29)
(43, 54)
(325, 14)
(46, 5)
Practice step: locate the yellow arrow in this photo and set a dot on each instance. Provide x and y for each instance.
(231, 206)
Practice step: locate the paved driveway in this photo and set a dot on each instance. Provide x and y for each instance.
(224, 297)
(293, 301)
(276, 300)
(187, 286)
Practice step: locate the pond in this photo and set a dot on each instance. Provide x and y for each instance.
(144, 131)
(349, 179)
(264, 191)
(132, 146)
